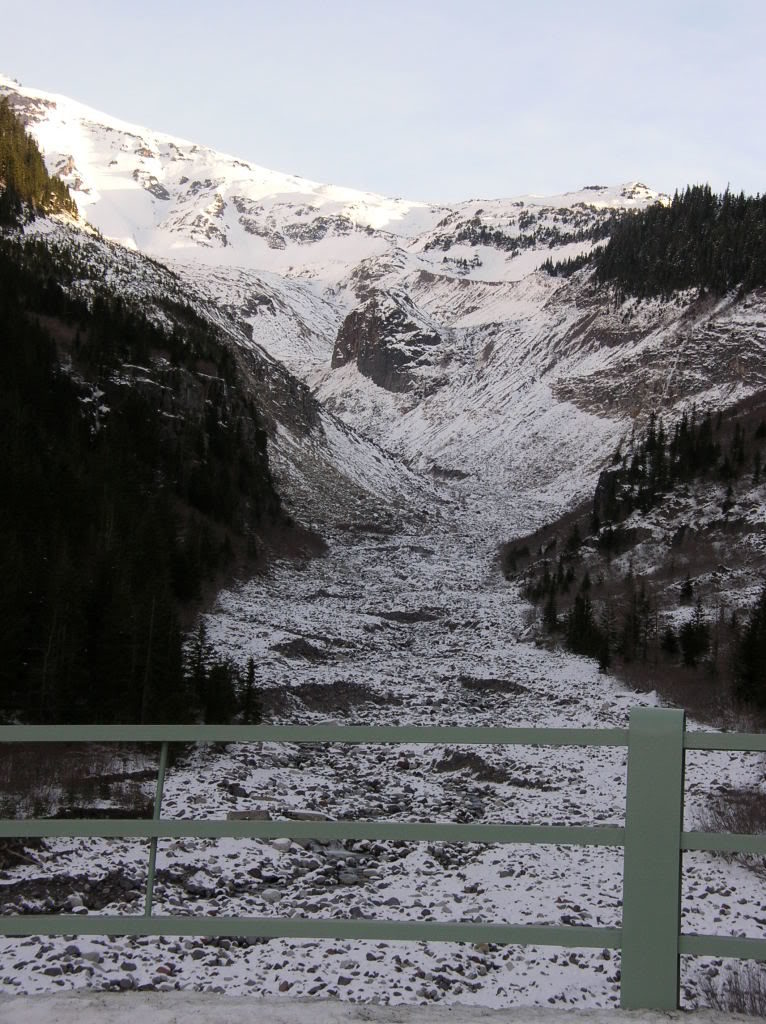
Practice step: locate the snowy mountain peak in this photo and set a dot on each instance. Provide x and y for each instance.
(176, 199)
(427, 327)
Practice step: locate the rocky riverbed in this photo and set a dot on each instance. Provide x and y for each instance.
(415, 626)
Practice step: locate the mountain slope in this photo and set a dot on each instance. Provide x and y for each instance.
(657, 573)
(429, 328)
(508, 414)
(139, 422)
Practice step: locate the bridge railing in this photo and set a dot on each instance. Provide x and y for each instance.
(653, 839)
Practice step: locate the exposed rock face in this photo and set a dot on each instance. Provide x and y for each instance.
(387, 338)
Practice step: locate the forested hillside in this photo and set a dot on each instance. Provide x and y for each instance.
(661, 577)
(24, 181)
(701, 240)
(133, 466)
(713, 243)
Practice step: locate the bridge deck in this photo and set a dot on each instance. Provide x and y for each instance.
(87, 1007)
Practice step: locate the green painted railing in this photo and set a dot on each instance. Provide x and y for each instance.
(650, 938)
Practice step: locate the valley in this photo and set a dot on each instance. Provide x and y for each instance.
(414, 624)
(426, 391)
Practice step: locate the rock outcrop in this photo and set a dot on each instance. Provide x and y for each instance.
(387, 338)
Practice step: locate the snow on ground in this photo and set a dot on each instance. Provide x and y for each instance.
(158, 1008)
(411, 625)
(177, 199)
(407, 619)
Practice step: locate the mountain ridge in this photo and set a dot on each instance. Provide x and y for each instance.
(487, 369)
(68, 132)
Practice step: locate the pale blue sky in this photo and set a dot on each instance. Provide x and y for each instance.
(427, 99)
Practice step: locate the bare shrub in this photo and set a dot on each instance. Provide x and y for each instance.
(698, 692)
(42, 779)
(739, 989)
(741, 812)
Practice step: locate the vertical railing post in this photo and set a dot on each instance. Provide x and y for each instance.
(651, 915)
(153, 841)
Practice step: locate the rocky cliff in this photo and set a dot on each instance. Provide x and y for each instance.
(388, 339)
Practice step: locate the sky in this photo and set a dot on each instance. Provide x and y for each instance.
(426, 99)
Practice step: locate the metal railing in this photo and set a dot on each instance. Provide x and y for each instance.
(653, 839)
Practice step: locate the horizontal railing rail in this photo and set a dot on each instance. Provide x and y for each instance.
(194, 828)
(652, 839)
(399, 734)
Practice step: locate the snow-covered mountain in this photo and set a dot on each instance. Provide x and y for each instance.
(427, 327)
(173, 198)
(411, 358)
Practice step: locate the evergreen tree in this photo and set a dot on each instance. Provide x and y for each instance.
(669, 641)
(219, 698)
(711, 242)
(728, 502)
(251, 708)
(582, 633)
(750, 656)
(694, 637)
(606, 637)
(550, 612)
(102, 541)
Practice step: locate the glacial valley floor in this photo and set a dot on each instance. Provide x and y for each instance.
(413, 625)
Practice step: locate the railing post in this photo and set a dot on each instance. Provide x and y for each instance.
(651, 916)
(153, 840)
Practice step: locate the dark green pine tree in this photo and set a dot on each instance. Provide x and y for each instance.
(550, 612)
(101, 539)
(701, 240)
(583, 635)
(694, 637)
(669, 641)
(251, 707)
(750, 657)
